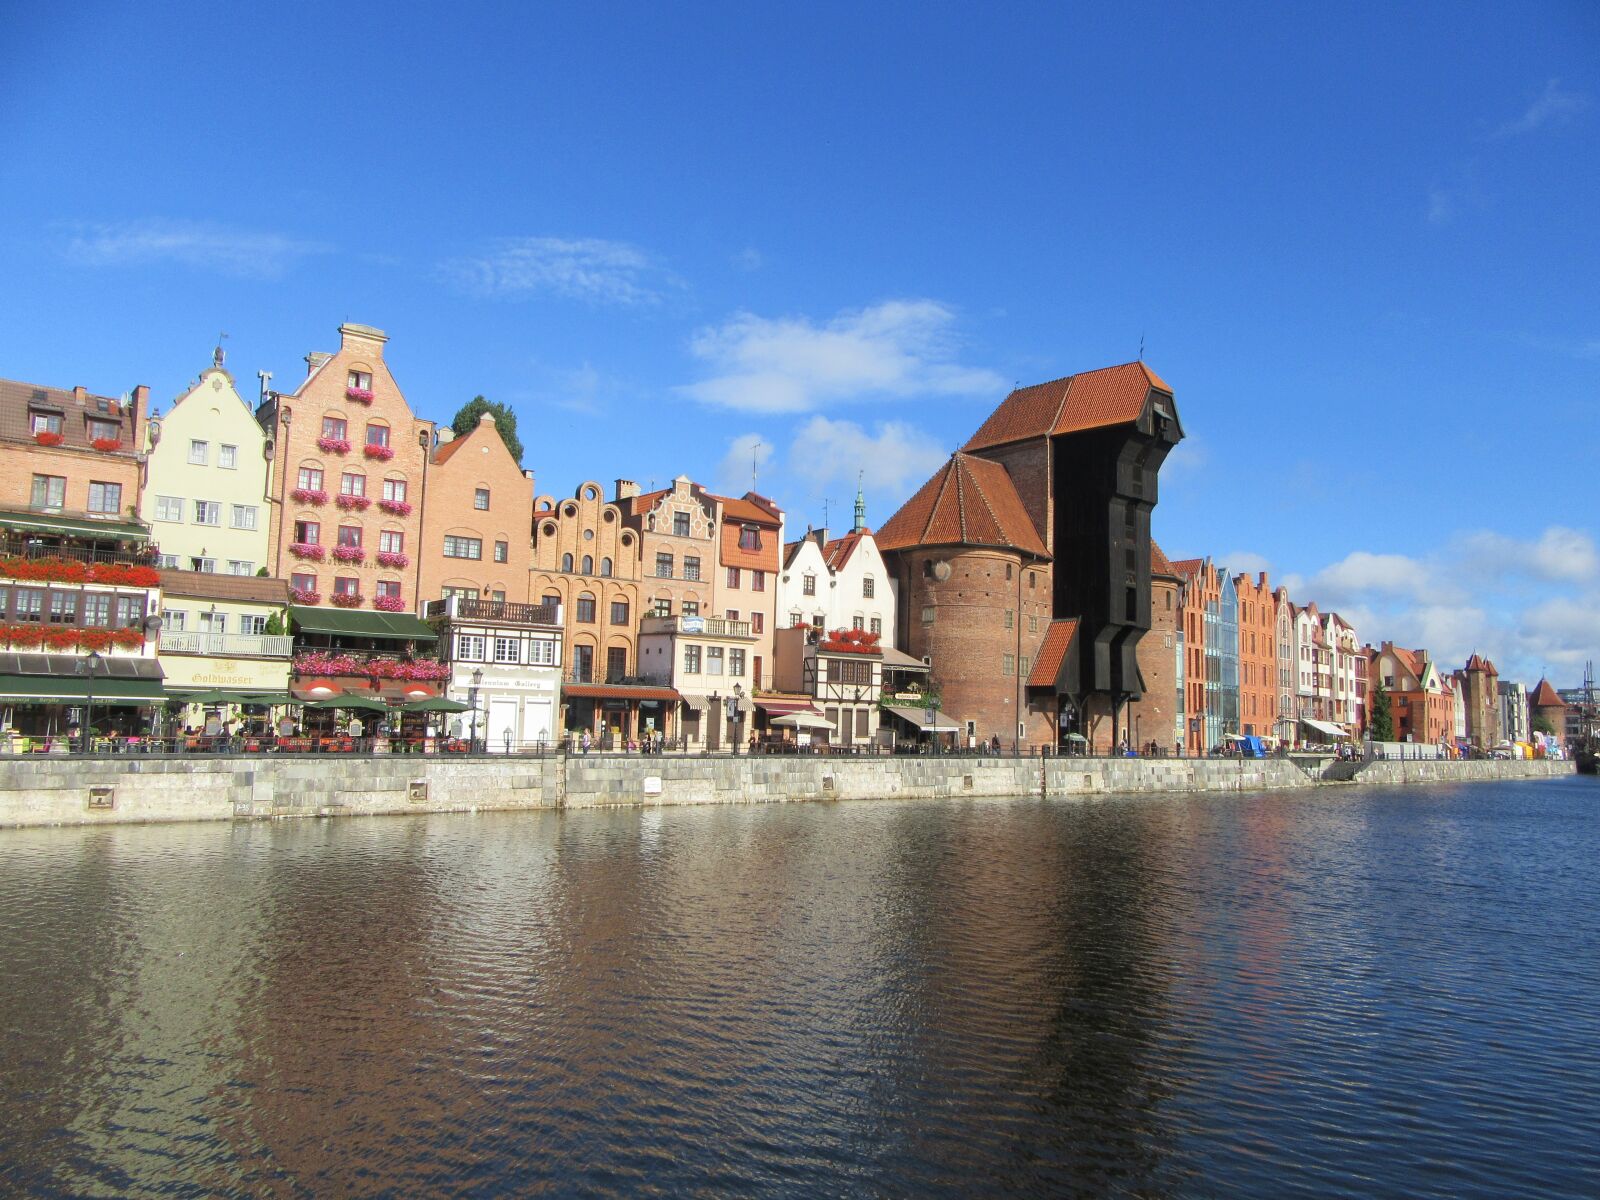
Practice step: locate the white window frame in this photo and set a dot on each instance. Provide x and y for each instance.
(199, 453)
(228, 457)
(244, 510)
(211, 507)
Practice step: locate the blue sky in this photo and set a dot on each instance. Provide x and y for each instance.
(1361, 245)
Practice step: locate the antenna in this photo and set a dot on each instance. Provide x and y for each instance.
(755, 463)
(825, 503)
(1141, 347)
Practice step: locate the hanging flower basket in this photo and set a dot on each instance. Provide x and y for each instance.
(106, 445)
(22, 636)
(399, 508)
(389, 604)
(359, 503)
(305, 596)
(309, 496)
(359, 395)
(349, 554)
(331, 445)
(381, 453)
(347, 599)
(308, 550)
(46, 438)
(392, 558)
(128, 639)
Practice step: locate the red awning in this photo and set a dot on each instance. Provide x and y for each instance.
(618, 691)
(783, 708)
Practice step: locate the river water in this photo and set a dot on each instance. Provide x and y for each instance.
(1342, 993)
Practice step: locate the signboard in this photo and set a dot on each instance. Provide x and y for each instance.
(691, 624)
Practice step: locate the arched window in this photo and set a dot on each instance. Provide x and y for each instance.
(585, 613)
(605, 568)
(566, 562)
(588, 564)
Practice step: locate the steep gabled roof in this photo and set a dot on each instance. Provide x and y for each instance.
(1089, 400)
(1158, 561)
(968, 502)
(837, 552)
(1057, 641)
(1545, 696)
(749, 507)
(1187, 568)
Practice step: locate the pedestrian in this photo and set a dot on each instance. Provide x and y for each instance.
(585, 741)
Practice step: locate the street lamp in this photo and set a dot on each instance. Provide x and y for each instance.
(85, 667)
(477, 679)
(933, 735)
(733, 713)
(713, 734)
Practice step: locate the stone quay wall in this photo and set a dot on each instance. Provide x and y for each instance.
(1430, 770)
(63, 791)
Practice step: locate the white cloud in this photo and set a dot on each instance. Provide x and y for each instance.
(1551, 104)
(1559, 554)
(240, 253)
(748, 453)
(589, 269)
(892, 459)
(895, 349)
(1363, 573)
(1244, 562)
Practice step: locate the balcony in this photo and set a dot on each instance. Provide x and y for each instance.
(16, 546)
(226, 645)
(698, 626)
(459, 608)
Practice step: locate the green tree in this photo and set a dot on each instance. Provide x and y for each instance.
(504, 420)
(1544, 724)
(1381, 723)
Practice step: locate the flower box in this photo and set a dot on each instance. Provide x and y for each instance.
(302, 596)
(391, 558)
(106, 445)
(389, 604)
(307, 550)
(381, 453)
(347, 599)
(335, 664)
(399, 508)
(25, 636)
(127, 574)
(349, 554)
(359, 395)
(308, 496)
(45, 438)
(330, 445)
(58, 570)
(359, 503)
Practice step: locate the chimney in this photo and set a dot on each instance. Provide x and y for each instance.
(139, 406)
(486, 418)
(627, 489)
(80, 396)
(362, 339)
(314, 360)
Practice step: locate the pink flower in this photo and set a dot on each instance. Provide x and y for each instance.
(348, 599)
(389, 604)
(306, 550)
(359, 395)
(399, 507)
(309, 496)
(349, 554)
(390, 558)
(381, 453)
(301, 596)
(359, 503)
(332, 445)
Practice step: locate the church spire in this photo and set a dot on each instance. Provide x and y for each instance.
(861, 506)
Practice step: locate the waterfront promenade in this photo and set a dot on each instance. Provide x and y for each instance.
(52, 790)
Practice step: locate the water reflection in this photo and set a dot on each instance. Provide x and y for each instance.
(1244, 995)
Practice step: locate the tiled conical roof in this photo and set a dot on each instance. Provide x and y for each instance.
(968, 502)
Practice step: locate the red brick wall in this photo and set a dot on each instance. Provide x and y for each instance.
(1152, 717)
(480, 461)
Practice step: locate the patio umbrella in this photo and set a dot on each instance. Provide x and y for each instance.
(803, 721)
(435, 704)
(365, 703)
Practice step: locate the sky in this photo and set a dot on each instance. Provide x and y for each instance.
(811, 244)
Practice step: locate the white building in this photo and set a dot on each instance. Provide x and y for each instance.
(838, 584)
(505, 661)
(205, 494)
(1342, 648)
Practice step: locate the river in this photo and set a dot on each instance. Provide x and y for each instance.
(1345, 992)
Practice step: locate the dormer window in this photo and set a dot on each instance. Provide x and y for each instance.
(43, 422)
(360, 380)
(749, 537)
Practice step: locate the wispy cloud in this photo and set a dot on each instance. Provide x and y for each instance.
(749, 453)
(895, 349)
(892, 459)
(1553, 104)
(590, 269)
(240, 253)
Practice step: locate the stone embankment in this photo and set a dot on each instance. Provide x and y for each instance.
(61, 791)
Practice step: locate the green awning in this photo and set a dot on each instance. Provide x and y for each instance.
(435, 704)
(365, 703)
(56, 688)
(221, 697)
(32, 522)
(351, 622)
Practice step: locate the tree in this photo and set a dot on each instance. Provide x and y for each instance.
(504, 420)
(1544, 724)
(1381, 724)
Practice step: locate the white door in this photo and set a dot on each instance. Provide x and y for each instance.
(536, 721)
(502, 723)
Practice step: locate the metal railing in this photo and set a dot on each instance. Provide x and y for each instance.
(462, 608)
(144, 555)
(697, 626)
(244, 645)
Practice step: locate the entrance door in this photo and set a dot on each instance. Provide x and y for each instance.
(536, 721)
(713, 724)
(583, 664)
(502, 723)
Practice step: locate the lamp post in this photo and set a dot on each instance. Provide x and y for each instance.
(713, 732)
(933, 736)
(86, 667)
(472, 738)
(733, 713)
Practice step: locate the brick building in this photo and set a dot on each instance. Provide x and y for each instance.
(477, 523)
(749, 558)
(1547, 711)
(1480, 686)
(1420, 696)
(1209, 613)
(1157, 715)
(349, 480)
(679, 532)
(1258, 655)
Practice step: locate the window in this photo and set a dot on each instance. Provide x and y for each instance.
(63, 608)
(377, 435)
(49, 491)
(98, 430)
(310, 479)
(507, 650)
(877, 625)
(566, 562)
(733, 577)
(207, 512)
(253, 624)
(470, 646)
(1033, 623)
(302, 581)
(307, 533)
(663, 607)
(502, 551)
(238, 566)
(663, 566)
(849, 671)
(1023, 664)
(691, 660)
(619, 612)
(394, 489)
(1033, 578)
(794, 619)
(175, 619)
(542, 652)
(349, 535)
(605, 568)
(43, 422)
(713, 660)
(105, 497)
(735, 662)
(808, 585)
(691, 608)
(169, 508)
(1008, 664)
(213, 622)
(130, 611)
(749, 537)
(758, 622)
(585, 612)
(680, 524)
(199, 452)
(480, 499)
(335, 427)
(346, 585)
(352, 483)
(1008, 570)
(244, 516)
(497, 596)
(466, 593)
(1011, 618)
(858, 622)
(758, 581)
(869, 588)
(691, 567)
(391, 541)
(588, 564)
(465, 547)
(361, 380)
(30, 605)
(206, 566)
(228, 457)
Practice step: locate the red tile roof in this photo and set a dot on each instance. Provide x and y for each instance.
(1158, 561)
(837, 552)
(75, 412)
(968, 502)
(1057, 641)
(743, 508)
(1109, 396)
(1545, 696)
(1187, 568)
(210, 586)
